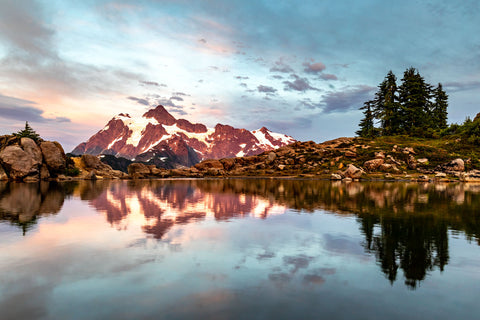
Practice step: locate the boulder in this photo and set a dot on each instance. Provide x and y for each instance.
(353, 172)
(30, 147)
(53, 156)
(335, 176)
(441, 175)
(386, 167)
(372, 165)
(281, 166)
(17, 162)
(138, 169)
(423, 161)
(90, 162)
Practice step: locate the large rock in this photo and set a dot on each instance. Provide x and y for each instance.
(53, 156)
(18, 163)
(91, 162)
(353, 172)
(30, 147)
(372, 165)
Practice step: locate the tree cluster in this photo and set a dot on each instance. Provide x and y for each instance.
(413, 108)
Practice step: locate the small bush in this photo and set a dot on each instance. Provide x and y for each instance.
(72, 172)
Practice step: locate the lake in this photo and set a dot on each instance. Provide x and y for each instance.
(239, 249)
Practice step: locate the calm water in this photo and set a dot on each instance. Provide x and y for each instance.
(239, 249)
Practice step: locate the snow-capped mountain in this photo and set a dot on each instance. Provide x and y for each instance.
(159, 138)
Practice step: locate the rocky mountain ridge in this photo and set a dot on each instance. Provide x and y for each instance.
(160, 139)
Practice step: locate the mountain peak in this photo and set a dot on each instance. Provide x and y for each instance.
(161, 115)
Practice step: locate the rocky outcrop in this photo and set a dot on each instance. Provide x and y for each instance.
(24, 159)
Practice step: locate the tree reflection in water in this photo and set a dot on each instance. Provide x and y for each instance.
(405, 225)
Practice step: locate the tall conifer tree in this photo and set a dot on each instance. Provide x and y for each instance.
(386, 105)
(367, 128)
(439, 108)
(414, 97)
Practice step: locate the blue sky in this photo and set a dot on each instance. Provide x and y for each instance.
(298, 67)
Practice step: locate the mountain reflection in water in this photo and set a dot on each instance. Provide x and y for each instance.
(405, 225)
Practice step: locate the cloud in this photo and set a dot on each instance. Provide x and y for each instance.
(299, 84)
(176, 98)
(277, 77)
(309, 104)
(328, 76)
(267, 89)
(316, 67)
(349, 98)
(139, 101)
(24, 110)
(32, 58)
(153, 83)
(202, 41)
(282, 67)
(180, 94)
(243, 84)
(461, 86)
(241, 78)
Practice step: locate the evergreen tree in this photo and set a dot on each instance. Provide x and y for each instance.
(414, 97)
(367, 128)
(28, 132)
(386, 105)
(439, 108)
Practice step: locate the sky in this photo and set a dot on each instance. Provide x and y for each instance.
(298, 67)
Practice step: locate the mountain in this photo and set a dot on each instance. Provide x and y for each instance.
(158, 138)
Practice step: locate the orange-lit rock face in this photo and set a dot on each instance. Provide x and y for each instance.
(159, 134)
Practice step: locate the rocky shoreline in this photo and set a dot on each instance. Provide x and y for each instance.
(342, 159)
